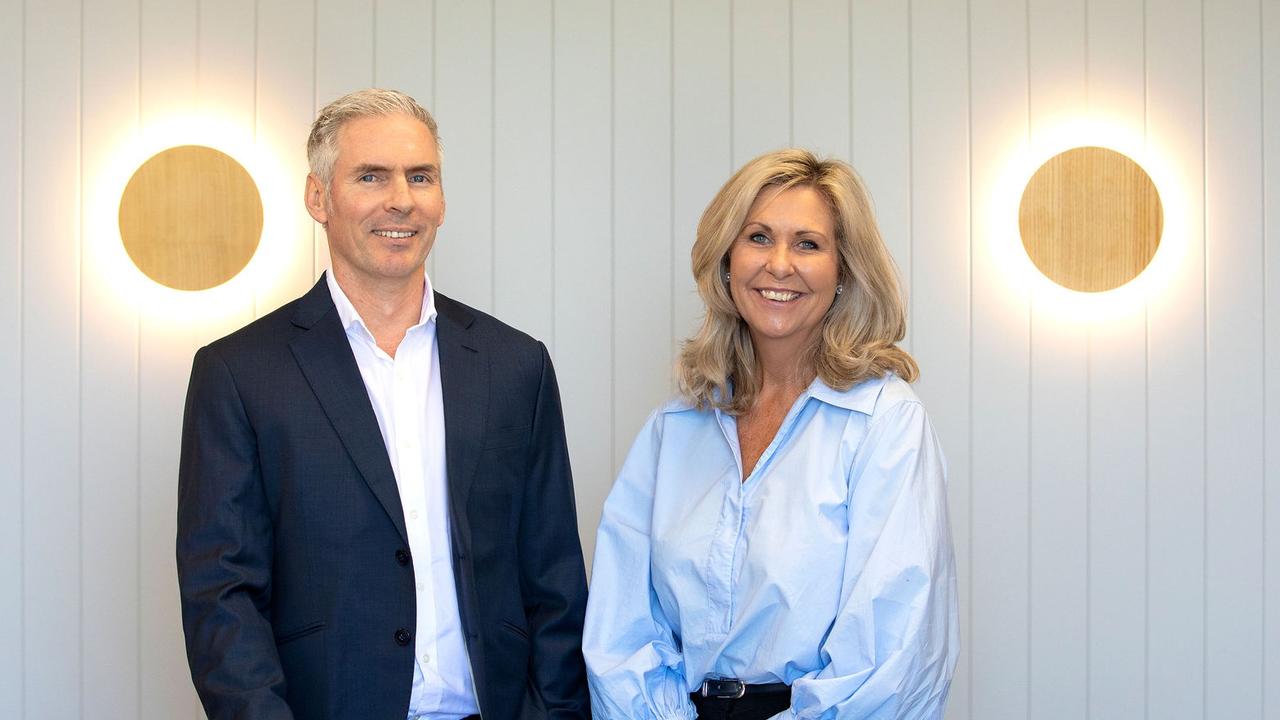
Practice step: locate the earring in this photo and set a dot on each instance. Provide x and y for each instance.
(840, 288)
(726, 276)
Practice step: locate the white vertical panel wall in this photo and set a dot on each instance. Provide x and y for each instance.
(1114, 482)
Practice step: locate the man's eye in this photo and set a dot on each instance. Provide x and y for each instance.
(419, 178)
(368, 177)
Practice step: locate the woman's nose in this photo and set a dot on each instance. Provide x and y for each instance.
(779, 261)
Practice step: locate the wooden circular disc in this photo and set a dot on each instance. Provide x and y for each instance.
(191, 218)
(1090, 219)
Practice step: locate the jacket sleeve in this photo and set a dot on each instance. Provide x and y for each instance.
(893, 646)
(224, 551)
(634, 663)
(552, 577)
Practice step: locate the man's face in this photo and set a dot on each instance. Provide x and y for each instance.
(384, 203)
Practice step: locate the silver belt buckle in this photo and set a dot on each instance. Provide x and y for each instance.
(729, 688)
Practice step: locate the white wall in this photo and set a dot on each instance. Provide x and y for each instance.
(1114, 480)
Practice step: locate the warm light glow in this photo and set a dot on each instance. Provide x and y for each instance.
(106, 253)
(1005, 242)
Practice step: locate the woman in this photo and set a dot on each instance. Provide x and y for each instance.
(777, 541)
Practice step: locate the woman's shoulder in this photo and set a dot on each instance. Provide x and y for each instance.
(872, 396)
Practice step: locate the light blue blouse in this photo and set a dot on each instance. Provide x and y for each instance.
(829, 568)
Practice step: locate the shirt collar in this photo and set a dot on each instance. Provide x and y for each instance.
(859, 398)
(349, 317)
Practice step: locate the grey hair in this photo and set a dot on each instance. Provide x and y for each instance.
(322, 144)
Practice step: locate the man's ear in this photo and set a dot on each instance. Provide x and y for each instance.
(313, 198)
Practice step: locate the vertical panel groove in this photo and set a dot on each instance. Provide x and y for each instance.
(80, 367)
(910, 168)
(791, 72)
(551, 169)
(733, 89)
(257, 115)
(1204, 425)
(853, 74)
(1088, 64)
(493, 154)
(1031, 486)
(1262, 142)
(1088, 484)
(1031, 371)
(138, 402)
(671, 171)
(435, 81)
(1146, 484)
(613, 224)
(1031, 383)
(967, 631)
(1146, 413)
(22, 364)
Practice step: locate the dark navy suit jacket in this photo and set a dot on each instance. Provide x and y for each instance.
(297, 587)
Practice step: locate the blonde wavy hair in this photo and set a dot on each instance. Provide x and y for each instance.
(860, 330)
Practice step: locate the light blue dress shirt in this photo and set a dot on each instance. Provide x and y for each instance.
(829, 568)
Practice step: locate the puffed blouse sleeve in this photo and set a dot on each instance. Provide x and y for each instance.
(634, 665)
(893, 645)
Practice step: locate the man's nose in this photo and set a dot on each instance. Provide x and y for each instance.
(399, 197)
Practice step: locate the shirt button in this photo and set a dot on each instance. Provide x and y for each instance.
(419, 587)
(413, 514)
(426, 659)
(403, 637)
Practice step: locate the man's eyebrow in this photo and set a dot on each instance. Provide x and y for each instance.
(367, 168)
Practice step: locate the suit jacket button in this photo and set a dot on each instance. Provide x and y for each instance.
(402, 557)
(403, 637)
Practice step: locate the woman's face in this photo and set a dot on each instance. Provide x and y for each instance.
(783, 267)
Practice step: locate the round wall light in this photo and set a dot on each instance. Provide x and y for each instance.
(191, 217)
(1090, 219)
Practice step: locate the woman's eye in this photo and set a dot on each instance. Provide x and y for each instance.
(807, 245)
(758, 238)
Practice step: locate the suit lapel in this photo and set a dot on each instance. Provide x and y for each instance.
(464, 385)
(324, 355)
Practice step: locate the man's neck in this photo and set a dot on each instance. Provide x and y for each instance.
(388, 309)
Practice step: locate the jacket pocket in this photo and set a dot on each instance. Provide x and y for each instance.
(301, 632)
(516, 629)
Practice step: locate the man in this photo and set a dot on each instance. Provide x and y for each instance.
(375, 510)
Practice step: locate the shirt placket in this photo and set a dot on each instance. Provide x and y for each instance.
(726, 538)
(407, 394)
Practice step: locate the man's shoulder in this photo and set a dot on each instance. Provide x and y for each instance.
(271, 331)
(482, 328)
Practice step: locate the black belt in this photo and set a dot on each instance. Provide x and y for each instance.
(732, 688)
